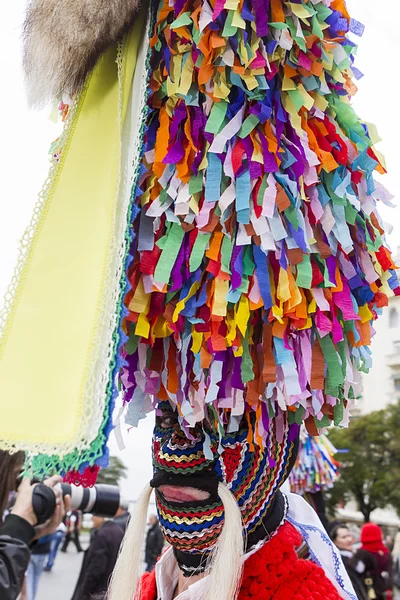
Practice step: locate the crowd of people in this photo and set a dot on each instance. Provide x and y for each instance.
(26, 550)
(373, 566)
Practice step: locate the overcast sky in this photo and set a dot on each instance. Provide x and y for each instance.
(26, 135)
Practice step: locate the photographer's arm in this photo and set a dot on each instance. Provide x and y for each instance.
(15, 537)
(18, 532)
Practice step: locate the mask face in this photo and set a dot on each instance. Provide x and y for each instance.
(188, 468)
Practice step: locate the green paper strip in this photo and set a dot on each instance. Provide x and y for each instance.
(316, 28)
(169, 253)
(324, 422)
(246, 367)
(334, 376)
(229, 29)
(132, 343)
(249, 124)
(217, 116)
(296, 98)
(199, 247)
(338, 412)
(196, 184)
(351, 213)
(261, 191)
(248, 262)
(181, 21)
(299, 415)
(304, 273)
(292, 216)
(226, 253)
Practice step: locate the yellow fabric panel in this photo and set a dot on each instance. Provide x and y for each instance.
(46, 351)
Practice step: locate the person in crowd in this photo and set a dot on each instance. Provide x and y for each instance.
(396, 566)
(74, 524)
(39, 556)
(389, 542)
(122, 515)
(374, 562)
(56, 539)
(343, 540)
(19, 529)
(99, 559)
(154, 543)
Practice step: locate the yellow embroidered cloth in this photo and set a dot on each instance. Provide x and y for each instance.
(54, 364)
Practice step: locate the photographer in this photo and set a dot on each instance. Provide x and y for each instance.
(19, 529)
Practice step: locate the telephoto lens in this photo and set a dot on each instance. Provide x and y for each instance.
(101, 500)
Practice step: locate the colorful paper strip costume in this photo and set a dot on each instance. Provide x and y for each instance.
(315, 469)
(231, 255)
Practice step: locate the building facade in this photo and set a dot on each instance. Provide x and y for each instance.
(382, 383)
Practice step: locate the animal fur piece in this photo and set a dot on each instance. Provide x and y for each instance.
(64, 39)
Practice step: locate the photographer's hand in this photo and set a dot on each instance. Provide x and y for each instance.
(24, 509)
(62, 506)
(23, 504)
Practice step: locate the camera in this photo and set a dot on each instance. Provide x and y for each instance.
(102, 500)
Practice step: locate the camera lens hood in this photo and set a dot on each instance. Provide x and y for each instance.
(43, 502)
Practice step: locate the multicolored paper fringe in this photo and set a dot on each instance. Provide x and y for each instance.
(259, 262)
(315, 469)
(257, 259)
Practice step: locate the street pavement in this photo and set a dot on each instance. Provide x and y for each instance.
(60, 583)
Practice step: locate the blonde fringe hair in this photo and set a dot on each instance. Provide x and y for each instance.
(225, 565)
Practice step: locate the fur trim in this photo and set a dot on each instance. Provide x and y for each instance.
(64, 39)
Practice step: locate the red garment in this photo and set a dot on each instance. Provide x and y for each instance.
(148, 587)
(372, 540)
(274, 572)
